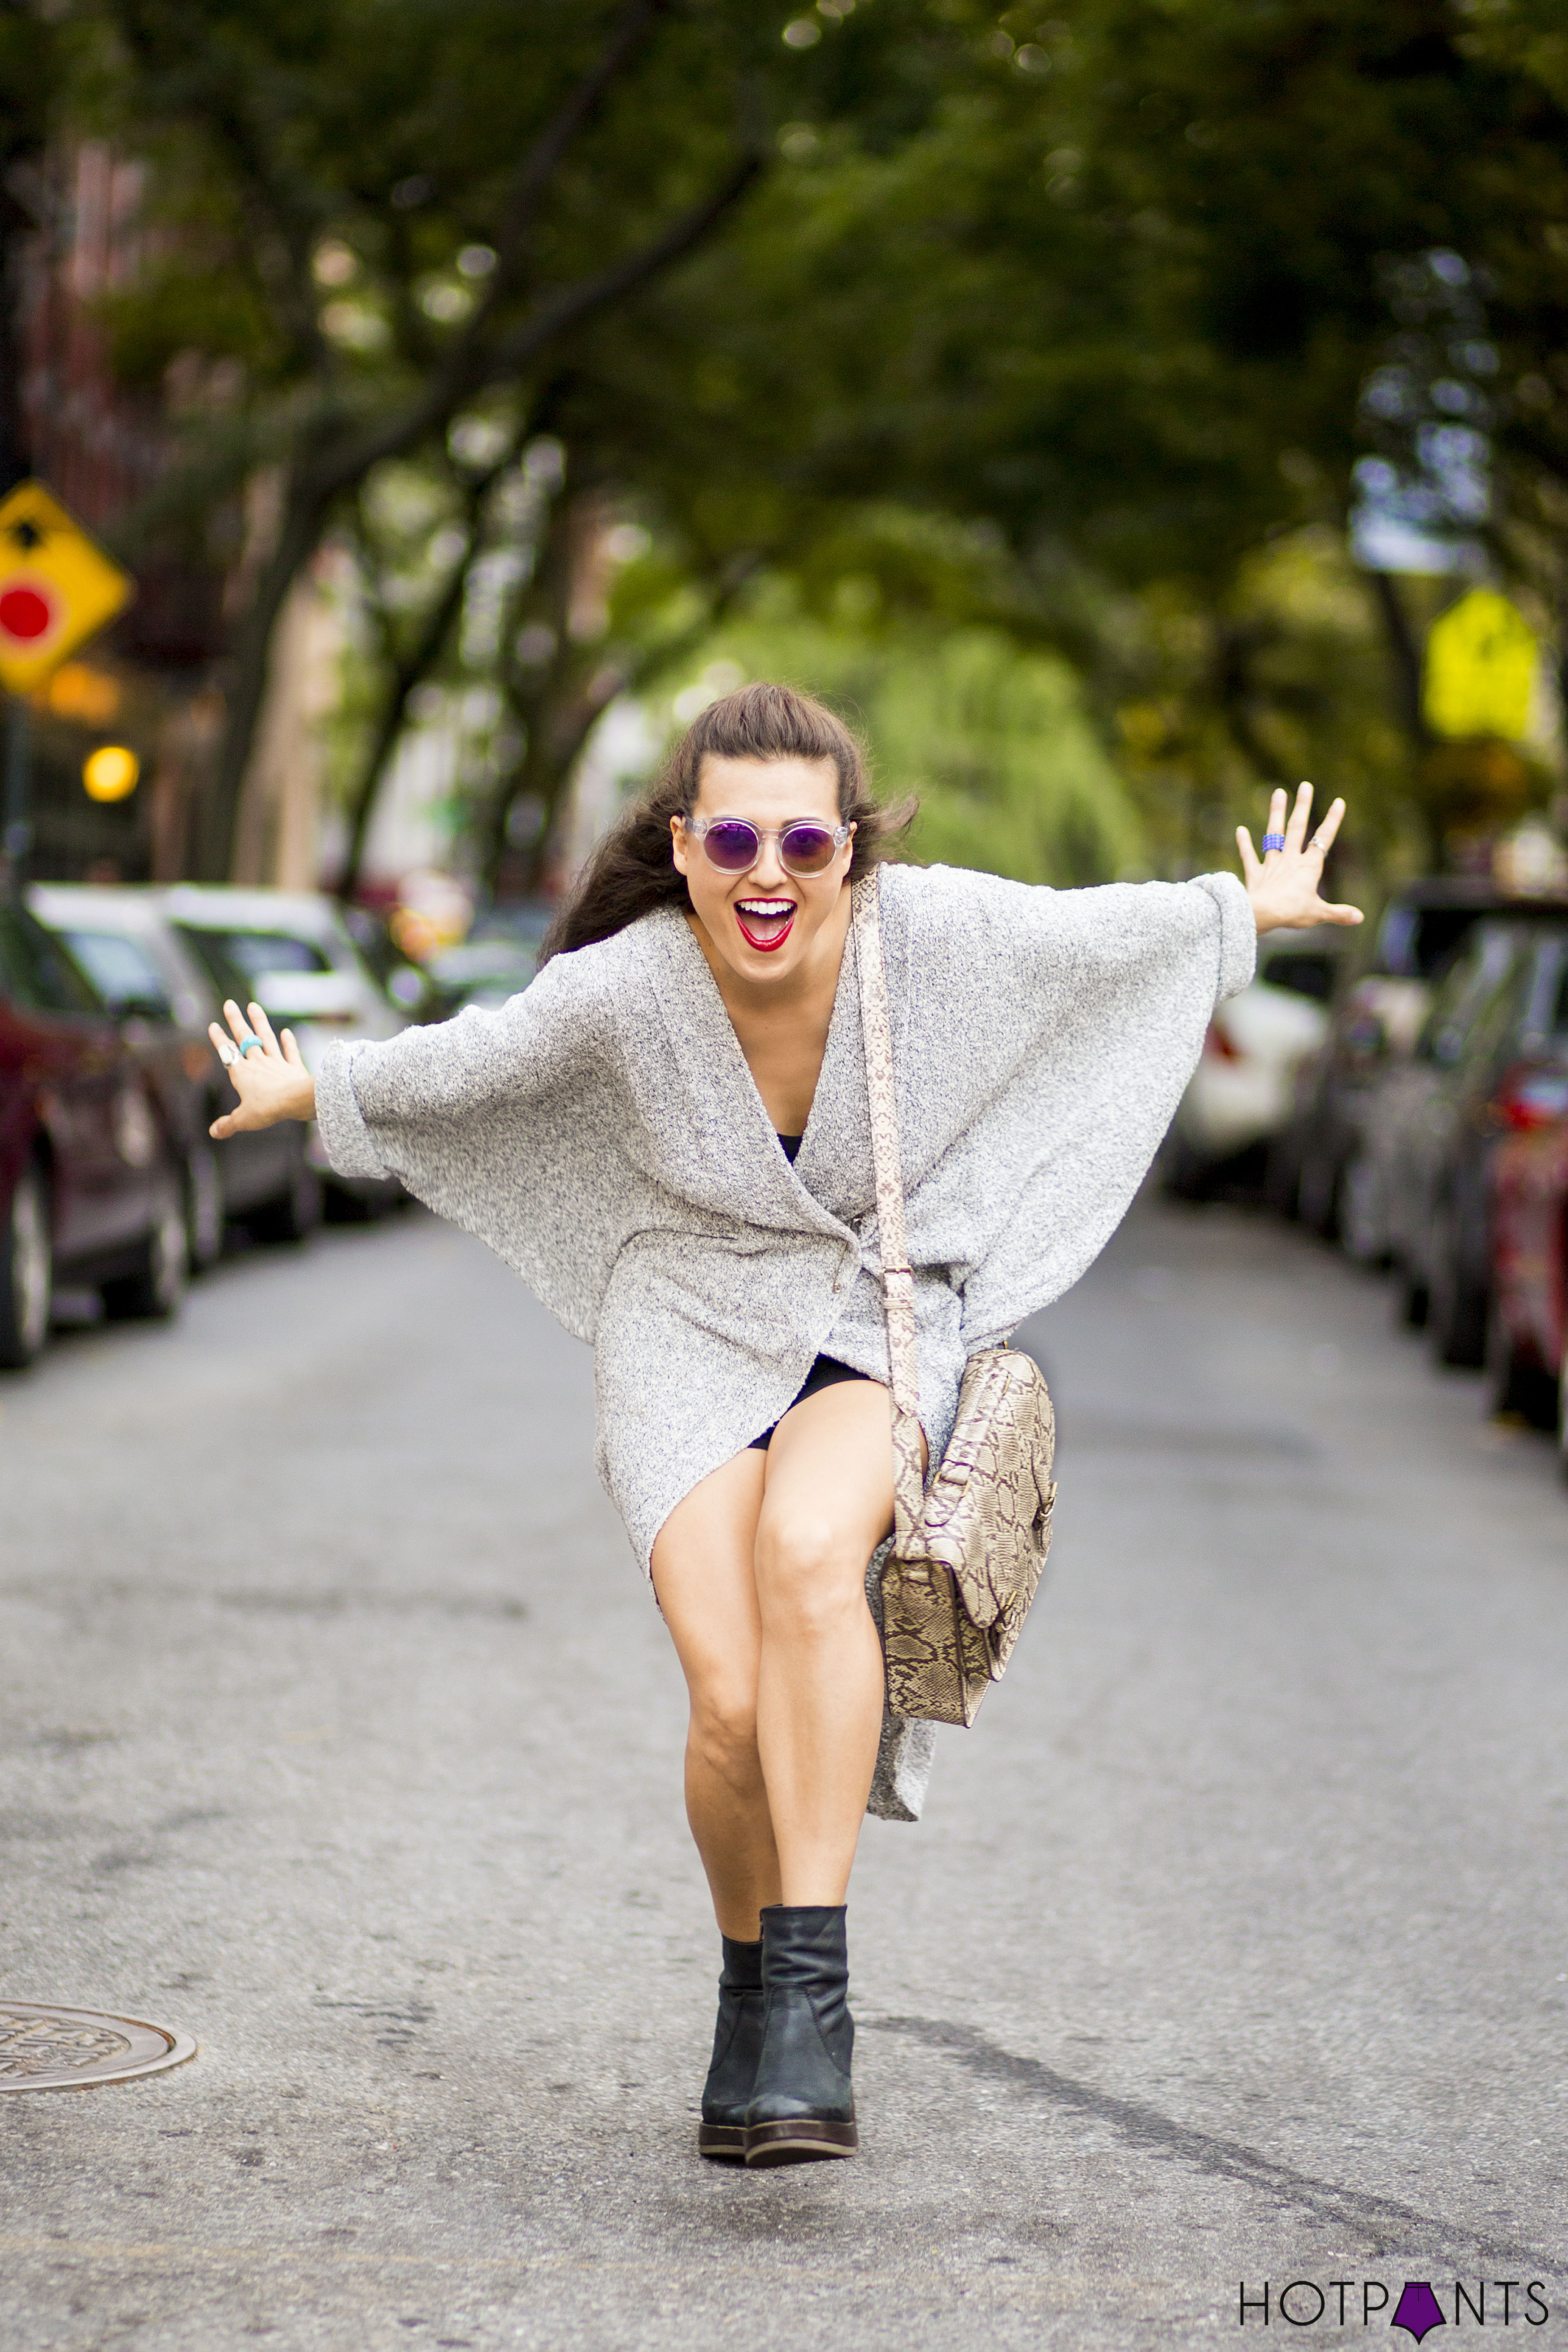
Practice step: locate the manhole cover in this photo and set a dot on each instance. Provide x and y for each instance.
(46, 2049)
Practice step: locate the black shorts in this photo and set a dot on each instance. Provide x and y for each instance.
(824, 1374)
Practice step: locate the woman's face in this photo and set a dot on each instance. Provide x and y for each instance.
(765, 922)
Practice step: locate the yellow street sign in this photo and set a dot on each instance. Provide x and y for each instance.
(1481, 668)
(55, 587)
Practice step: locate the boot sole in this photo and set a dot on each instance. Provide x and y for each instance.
(722, 2143)
(803, 2140)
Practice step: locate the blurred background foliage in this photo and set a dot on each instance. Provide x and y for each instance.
(1001, 373)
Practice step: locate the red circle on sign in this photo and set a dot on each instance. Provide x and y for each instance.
(25, 613)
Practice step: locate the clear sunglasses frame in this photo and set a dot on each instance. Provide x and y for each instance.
(700, 827)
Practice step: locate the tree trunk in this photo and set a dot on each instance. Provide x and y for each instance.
(555, 741)
(304, 516)
(1405, 655)
(406, 676)
(1236, 645)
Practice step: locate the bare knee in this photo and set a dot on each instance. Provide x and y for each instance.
(807, 1581)
(722, 1736)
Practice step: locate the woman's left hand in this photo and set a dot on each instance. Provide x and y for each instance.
(1283, 883)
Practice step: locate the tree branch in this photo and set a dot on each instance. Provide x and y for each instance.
(410, 669)
(547, 150)
(223, 87)
(552, 318)
(1407, 658)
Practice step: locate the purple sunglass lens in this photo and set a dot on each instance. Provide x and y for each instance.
(733, 845)
(805, 848)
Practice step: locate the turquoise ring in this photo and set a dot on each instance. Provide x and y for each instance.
(249, 1040)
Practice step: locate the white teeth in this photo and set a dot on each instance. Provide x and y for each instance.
(766, 906)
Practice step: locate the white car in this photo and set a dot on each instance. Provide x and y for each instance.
(163, 996)
(1243, 1092)
(303, 967)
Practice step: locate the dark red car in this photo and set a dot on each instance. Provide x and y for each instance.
(1528, 1337)
(88, 1194)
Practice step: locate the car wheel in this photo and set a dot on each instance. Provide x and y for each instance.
(295, 1212)
(204, 1205)
(1411, 1301)
(158, 1284)
(1515, 1384)
(1362, 1236)
(1283, 1180)
(1456, 1316)
(1313, 1203)
(26, 1270)
(1182, 1173)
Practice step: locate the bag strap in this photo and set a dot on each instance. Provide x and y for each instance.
(898, 1276)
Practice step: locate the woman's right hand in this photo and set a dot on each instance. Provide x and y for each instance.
(271, 1081)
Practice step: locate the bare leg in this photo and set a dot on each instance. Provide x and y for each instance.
(761, 1574)
(704, 1575)
(828, 1503)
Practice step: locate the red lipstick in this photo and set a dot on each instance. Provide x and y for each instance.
(772, 941)
(766, 941)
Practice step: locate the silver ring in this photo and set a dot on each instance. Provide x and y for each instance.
(228, 1055)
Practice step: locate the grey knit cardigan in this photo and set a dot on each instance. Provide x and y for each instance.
(602, 1132)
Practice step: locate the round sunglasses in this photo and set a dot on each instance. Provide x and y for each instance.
(805, 848)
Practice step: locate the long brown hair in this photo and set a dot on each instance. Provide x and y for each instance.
(633, 869)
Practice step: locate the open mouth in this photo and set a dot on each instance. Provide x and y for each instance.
(765, 923)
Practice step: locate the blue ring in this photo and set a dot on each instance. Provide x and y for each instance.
(1273, 841)
(248, 1042)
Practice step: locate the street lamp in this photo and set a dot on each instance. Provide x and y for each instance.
(111, 773)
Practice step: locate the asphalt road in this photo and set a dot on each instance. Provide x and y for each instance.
(340, 1732)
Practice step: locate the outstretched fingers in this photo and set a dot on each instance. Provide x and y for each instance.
(263, 1029)
(1276, 825)
(1324, 839)
(1296, 831)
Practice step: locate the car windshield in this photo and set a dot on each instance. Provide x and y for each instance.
(122, 971)
(36, 972)
(1303, 972)
(237, 959)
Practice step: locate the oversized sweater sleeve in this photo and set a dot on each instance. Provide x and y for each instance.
(1048, 1036)
(1195, 939)
(376, 1102)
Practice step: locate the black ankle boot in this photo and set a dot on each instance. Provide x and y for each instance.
(804, 2105)
(737, 2038)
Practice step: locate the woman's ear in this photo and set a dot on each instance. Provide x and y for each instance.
(677, 843)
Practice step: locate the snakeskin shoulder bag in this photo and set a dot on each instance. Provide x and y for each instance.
(968, 1552)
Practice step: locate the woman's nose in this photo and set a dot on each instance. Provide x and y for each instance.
(767, 871)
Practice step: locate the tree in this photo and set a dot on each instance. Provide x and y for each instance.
(378, 227)
(1107, 286)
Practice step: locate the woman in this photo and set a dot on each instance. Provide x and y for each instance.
(668, 1135)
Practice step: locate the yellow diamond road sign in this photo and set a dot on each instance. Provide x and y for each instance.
(56, 587)
(1481, 668)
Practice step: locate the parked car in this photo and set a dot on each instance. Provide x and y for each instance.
(90, 1194)
(1436, 1123)
(1527, 1327)
(1321, 1167)
(406, 984)
(1241, 1094)
(497, 961)
(299, 961)
(164, 995)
